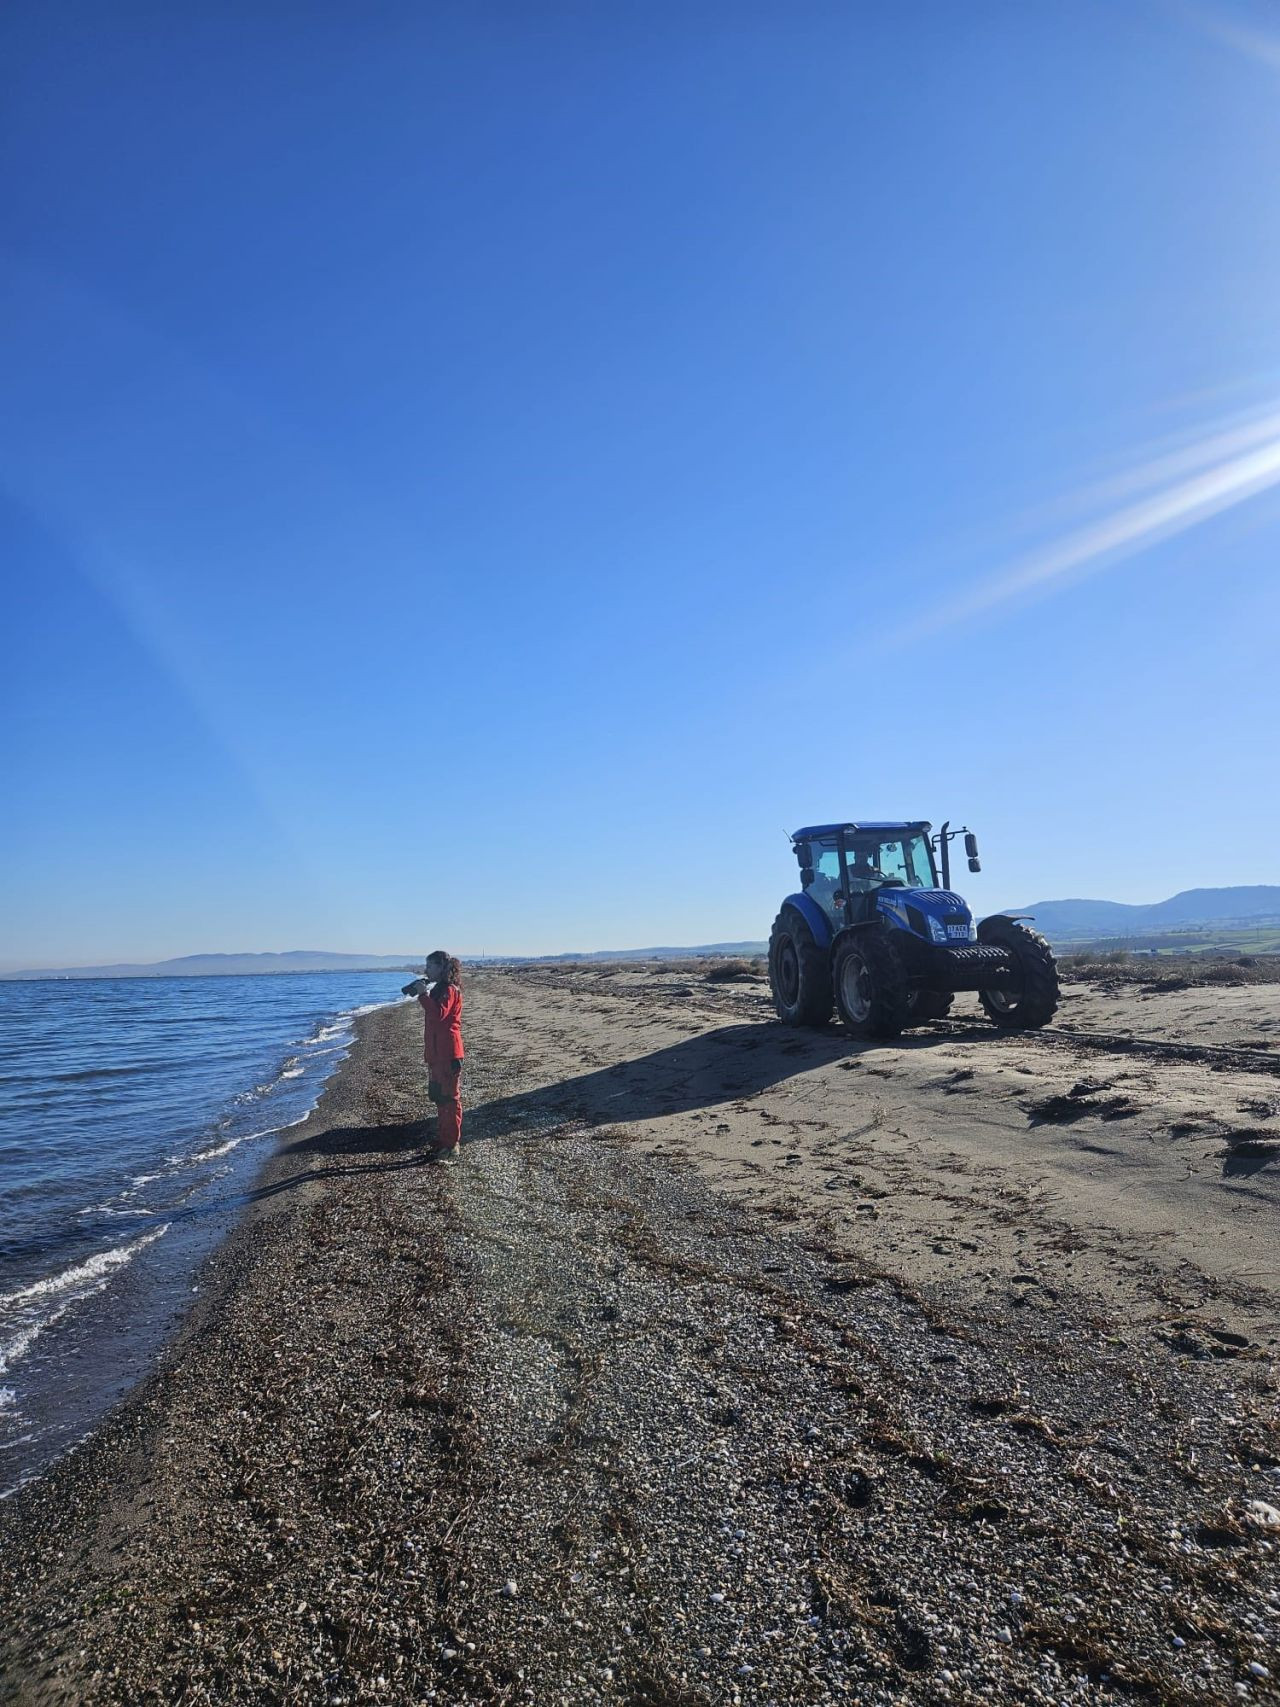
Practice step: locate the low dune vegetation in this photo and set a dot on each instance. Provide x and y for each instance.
(1170, 972)
(734, 971)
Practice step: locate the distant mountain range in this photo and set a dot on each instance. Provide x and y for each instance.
(1080, 921)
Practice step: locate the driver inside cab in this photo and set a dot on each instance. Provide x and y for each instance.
(864, 873)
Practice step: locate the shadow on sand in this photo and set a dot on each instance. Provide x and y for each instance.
(1244, 1160)
(393, 1148)
(712, 1070)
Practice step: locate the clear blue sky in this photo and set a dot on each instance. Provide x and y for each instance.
(482, 473)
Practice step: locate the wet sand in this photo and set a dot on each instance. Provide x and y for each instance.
(731, 1365)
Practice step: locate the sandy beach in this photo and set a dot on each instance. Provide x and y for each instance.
(731, 1365)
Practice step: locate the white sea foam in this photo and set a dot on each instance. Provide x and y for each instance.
(38, 1306)
(11, 1350)
(224, 1149)
(216, 1150)
(85, 1274)
(116, 1209)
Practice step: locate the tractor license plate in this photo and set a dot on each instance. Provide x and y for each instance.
(958, 933)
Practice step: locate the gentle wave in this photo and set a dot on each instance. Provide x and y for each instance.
(90, 1270)
(67, 1289)
(225, 1149)
(85, 1075)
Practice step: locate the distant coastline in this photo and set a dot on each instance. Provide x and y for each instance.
(1241, 917)
(229, 965)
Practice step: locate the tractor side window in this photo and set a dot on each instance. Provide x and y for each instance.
(826, 877)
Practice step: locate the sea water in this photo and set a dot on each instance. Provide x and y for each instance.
(134, 1113)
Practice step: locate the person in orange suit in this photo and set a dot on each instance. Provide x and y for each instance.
(440, 997)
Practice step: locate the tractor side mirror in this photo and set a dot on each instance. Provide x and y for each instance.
(971, 848)
(975, 864)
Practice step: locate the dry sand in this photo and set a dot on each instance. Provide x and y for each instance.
(733, 1364)
(958, 1155)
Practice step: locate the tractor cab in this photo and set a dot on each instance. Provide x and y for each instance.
(854, 872)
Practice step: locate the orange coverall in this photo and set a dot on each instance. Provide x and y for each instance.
(442, 1051)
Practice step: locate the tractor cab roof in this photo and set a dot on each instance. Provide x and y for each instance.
(815, 832)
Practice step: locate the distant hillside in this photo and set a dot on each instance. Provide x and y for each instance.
(702, 949)
(1081, 921)
(318, 960)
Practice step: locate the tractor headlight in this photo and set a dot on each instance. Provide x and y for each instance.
(937, 930)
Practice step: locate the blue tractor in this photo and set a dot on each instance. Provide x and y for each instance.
(873, 933)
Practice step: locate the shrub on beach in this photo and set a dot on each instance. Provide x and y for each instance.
(730, 971)
(1168, 972)
(1230, 972)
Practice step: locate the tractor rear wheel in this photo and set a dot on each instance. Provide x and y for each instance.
(871, 986)
(799, 971)
(1030, 1000)
(928, 1004)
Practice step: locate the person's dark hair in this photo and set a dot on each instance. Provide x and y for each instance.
(452, 966)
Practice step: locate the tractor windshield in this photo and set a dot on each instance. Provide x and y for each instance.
(873, 861)
(900, 859)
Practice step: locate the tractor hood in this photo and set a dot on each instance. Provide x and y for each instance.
(937, 915)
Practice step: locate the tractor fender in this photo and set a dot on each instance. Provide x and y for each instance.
(813, 916)
(999, 918)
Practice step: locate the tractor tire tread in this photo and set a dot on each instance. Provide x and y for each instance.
(815, 997)
(1039, 1000)
(891, 994)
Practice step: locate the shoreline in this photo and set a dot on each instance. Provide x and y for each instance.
(108, 1285)
(579, 1420)
(94, 1481)
(213, 1278)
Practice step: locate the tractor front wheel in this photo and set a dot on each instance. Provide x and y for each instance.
(799, 971)
(1030, 1000)
(871, 986)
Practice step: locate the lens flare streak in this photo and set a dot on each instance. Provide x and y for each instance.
(1102, 543)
